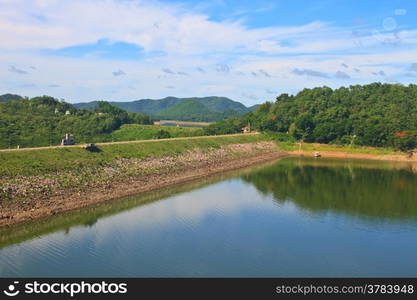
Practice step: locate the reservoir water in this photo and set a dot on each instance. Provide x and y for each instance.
(295, 217)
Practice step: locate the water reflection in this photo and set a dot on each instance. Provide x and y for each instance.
(89, 216)
(368, 189)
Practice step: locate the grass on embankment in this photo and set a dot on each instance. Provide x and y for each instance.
(130, 132)
(286, 146)
(37, 162)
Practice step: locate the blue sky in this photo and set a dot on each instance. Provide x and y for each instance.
(250, 51)
(298, 12)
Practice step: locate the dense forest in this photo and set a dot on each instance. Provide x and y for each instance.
(43, 121)
(382, 115)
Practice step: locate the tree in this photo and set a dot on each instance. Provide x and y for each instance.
(405, 141)
(162, 134)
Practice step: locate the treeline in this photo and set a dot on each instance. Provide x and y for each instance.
(43, 121)
(314, 187)
(381, 115)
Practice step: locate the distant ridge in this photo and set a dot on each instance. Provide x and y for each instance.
(208, 109)
(197, 109)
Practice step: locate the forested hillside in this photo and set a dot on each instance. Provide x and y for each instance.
(192, 110)
(372, 115)
(43, 121)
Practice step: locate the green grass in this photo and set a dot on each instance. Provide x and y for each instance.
(37, 162)
(287, 146)
(131, 132)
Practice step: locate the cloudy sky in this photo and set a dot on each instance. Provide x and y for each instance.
(250, 51)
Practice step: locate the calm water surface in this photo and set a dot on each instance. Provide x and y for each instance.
(296, 217)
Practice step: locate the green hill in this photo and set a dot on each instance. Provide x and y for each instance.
(147, 106)
(253, 107)
(172, 108)
(381, 115)
(187, 110)
(221, 104)
(10, 97)
(43, 121)
(193, 109)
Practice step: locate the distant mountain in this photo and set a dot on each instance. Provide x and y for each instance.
(9, 97)
(184, 109)
(147, 106)
(190, 109)
(253, 107)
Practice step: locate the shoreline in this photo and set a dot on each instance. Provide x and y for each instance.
(75, 200)
(355, 155)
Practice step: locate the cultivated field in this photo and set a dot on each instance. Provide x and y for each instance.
(181, 123)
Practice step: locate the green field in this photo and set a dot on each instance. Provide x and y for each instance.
(48, 161)
(130, 132)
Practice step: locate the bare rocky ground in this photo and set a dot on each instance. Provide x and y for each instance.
(25, 198)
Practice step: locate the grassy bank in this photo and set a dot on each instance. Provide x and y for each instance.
(130, 132)
(38, 162)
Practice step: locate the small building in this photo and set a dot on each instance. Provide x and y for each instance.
(246, 129)
(67, 112)
(92, 147)
(68, 140)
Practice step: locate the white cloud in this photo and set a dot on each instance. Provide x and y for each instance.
(214, 53)
(59, 24)
(309, 72)
(13, 69)
(118, 73)
(342, 75)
